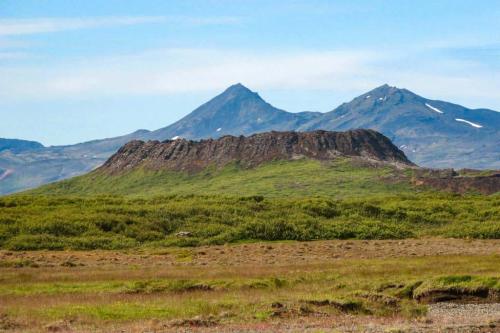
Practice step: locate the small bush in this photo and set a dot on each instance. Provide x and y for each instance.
(34, 242)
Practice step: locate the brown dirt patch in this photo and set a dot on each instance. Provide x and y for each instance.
(262, 254)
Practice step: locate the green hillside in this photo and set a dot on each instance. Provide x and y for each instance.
(338, 178)
(299, 200)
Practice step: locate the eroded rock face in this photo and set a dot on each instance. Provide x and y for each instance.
(193, 156)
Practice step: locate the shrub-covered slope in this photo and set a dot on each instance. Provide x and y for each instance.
(281, 200)
(107, 222)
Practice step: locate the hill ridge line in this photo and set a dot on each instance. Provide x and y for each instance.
(250, 151)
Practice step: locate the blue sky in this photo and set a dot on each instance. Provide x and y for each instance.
(72, 71)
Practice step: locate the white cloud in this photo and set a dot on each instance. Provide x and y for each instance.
(13, 27)
(12, 55)
(10, 27)
(173, 71)
(13, 44)
(184, 70)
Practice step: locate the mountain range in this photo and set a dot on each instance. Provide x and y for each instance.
(431, 133)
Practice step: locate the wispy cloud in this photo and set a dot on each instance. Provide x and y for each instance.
(11, 55)
(13, 27)
(6, 43)
(173, 71)
(9, 27)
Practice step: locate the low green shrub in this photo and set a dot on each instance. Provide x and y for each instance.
(112, 222)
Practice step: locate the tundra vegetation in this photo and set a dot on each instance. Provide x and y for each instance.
(300, 200)
(286, 240)
(117, 222)
(244, 285)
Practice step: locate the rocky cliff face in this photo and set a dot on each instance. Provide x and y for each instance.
(193, 156)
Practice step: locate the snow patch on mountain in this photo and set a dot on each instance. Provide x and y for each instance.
(433, 108)
(6, 173)
(468, 122)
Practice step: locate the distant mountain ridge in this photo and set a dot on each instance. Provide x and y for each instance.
(29, 168)
(431, 133)
(17, 146)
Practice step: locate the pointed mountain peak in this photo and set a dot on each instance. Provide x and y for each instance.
(238, 88)
(232, 100)
(237, 92)
(386, 92)
(385, 89)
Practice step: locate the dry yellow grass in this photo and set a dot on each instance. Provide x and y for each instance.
(246, 286)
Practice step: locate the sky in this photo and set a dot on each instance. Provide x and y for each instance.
(72, 71)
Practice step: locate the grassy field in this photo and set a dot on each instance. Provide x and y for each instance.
(153, 290)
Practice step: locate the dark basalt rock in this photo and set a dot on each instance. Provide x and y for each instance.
(193, 156)
(482, 184)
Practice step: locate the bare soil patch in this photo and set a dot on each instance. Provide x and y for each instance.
(261, 254)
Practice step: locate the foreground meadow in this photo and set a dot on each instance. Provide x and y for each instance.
(350, 285)
(287, 246)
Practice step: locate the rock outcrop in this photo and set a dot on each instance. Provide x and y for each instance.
(489, 184)
(193, 156)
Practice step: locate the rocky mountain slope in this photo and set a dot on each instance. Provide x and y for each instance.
(431, 133)
(237, 111)
(193, 156)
